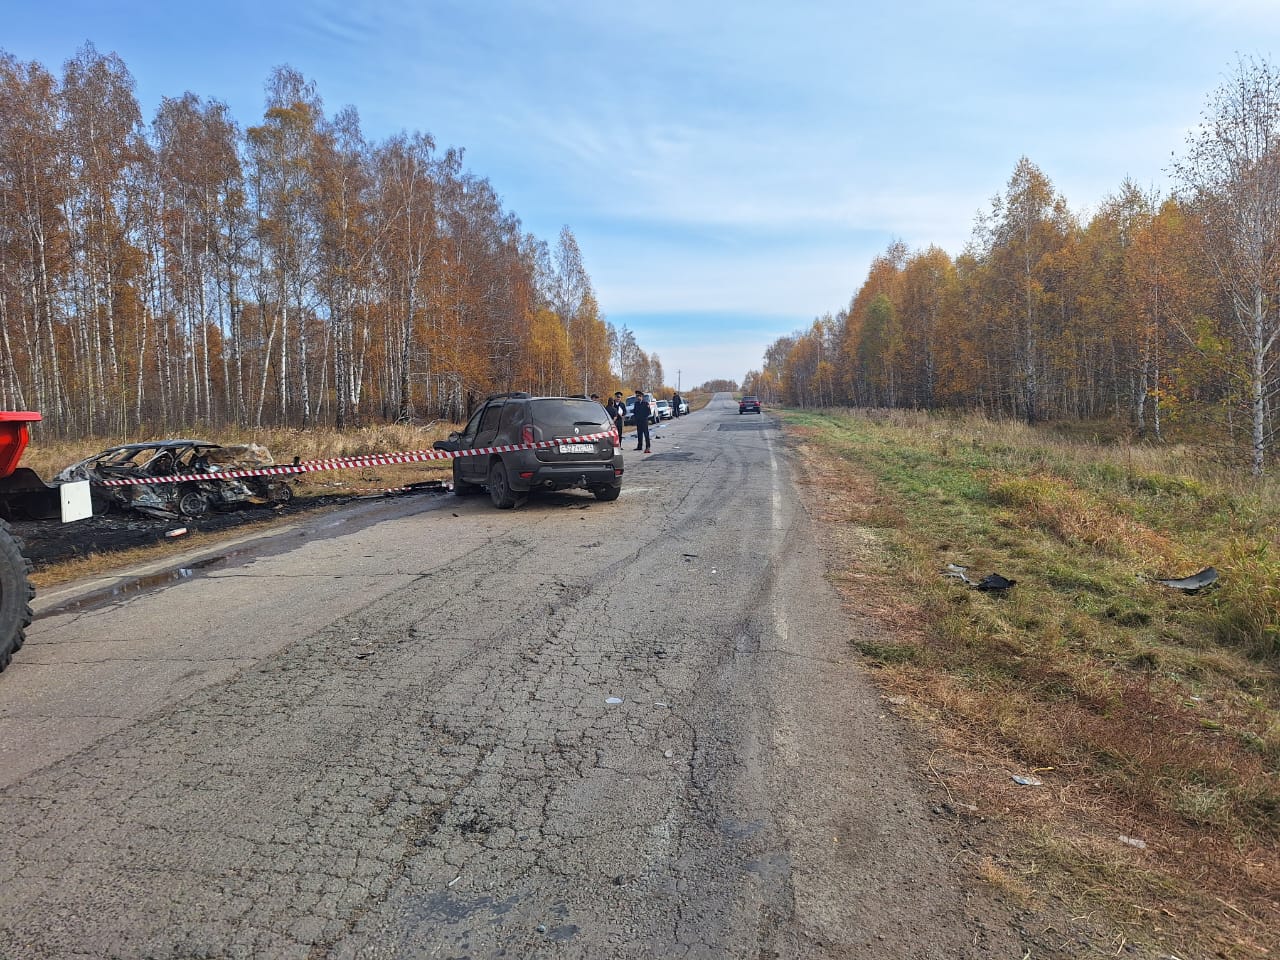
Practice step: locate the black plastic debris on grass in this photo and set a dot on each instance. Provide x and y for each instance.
(995, 583)
(991, 583)
(1194, 583)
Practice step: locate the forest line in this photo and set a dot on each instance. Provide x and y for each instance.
(291, 273)
(1153, 310)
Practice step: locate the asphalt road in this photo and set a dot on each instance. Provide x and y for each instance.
(434, 729)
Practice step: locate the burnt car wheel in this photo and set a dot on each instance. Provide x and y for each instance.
(16, 594)
(500, 487)
(193, 504)
(280, 492)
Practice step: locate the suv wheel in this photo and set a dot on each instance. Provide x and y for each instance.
(500, 487)
(607, 494)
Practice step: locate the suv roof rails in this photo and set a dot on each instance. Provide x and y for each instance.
(515, 395)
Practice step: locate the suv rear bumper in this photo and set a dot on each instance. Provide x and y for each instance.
(559, 476)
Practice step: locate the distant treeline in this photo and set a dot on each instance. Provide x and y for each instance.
(719, 386)
(1152, 309)
(291, 273)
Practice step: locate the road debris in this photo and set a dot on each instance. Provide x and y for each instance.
(613, 701)
(1133, 842)
(1028, 781)
(992, 582)
(1194, 583)
(995, 583)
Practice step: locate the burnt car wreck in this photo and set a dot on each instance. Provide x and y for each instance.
(140, 463)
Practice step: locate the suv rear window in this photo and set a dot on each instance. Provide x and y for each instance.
(559, 414)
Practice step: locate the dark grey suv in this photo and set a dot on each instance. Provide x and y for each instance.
(518, 418)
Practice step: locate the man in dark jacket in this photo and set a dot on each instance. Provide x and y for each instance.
(642, 413)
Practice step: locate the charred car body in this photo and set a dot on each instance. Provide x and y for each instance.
(154, 461)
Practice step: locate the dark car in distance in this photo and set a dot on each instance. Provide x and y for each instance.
(566, 462)
(749, 405)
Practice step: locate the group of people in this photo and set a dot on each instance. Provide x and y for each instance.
(641, 411)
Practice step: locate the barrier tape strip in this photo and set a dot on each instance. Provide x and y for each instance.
(346, 463)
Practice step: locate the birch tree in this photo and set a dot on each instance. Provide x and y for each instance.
(1231, 179)
(1027, 225)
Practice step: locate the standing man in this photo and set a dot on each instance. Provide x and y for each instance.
(642, 413)
(675, 405)
(619, 414)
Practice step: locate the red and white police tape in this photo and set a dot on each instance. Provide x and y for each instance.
(346, 463)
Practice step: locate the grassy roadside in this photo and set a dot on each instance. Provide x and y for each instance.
(1150, 716)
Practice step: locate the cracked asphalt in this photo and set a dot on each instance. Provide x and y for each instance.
(434, 729)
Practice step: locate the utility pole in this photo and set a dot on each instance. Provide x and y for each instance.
(678, 381)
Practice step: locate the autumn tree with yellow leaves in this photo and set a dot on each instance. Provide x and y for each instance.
(291, 272)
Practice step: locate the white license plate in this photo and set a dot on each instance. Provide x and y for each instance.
(577, 448)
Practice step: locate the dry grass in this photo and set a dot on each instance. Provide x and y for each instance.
(998, 876)
(1120, 695)
(1075, 516)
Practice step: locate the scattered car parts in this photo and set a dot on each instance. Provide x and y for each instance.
(1194, 583)
(992, 582)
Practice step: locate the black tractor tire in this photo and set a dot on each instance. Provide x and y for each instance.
(607, 494)
(500, 491)
(16, 594)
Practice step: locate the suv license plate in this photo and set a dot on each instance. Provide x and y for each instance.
(577, 448)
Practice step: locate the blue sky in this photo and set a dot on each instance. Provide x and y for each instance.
(729, 169)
